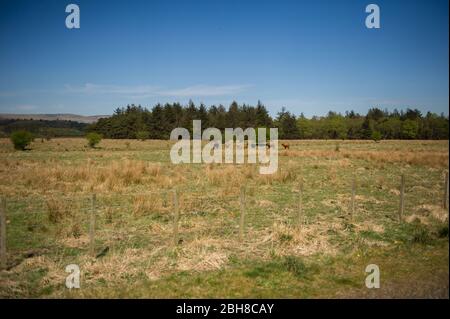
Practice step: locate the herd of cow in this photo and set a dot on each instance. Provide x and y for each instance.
(286, 146)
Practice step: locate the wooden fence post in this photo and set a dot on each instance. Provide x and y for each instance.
(445, 201)
(92, 226)
(352, 204)
(402, 199)
(164, 196)
(2, 233)
(242, 219)
(176, 217)
(300, 203)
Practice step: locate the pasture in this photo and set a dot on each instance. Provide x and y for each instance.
(297, 237)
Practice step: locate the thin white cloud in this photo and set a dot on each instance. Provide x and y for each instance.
(144, 91)
(90, 88)
(206, 90)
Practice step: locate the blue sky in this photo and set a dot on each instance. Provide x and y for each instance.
(308, 56)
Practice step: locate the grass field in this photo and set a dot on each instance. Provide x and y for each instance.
(322, 252)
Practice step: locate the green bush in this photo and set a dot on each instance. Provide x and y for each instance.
(443, 231)
(376, 136)
(93, 139)
(21, 139)
(142, 135)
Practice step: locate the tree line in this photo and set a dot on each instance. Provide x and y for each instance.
(157, 123)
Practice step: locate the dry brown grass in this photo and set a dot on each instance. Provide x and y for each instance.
(432, 159)
(427, 213)
(304, 240)
(202, 254)
(54, 275)
(115, 176)
(134, 183)
(145, 204)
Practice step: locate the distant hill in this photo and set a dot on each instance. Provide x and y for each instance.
(54, 117)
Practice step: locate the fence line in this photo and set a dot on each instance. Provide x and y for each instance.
(2, 233)
(445, 202)
(298, 214)
(402, 199)
(352, 202)
(300, 203)
(92, 225)
(176, 217)
(242, 218)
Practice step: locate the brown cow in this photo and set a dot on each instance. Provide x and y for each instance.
(286, 146)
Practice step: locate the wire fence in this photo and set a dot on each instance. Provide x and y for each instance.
(37, 224)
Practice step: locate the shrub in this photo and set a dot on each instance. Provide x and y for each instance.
(376, 136)
(443, 231)
(142, 135)
(21, 139)
(93, 139)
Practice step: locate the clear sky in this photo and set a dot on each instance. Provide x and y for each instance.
(309, 56)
